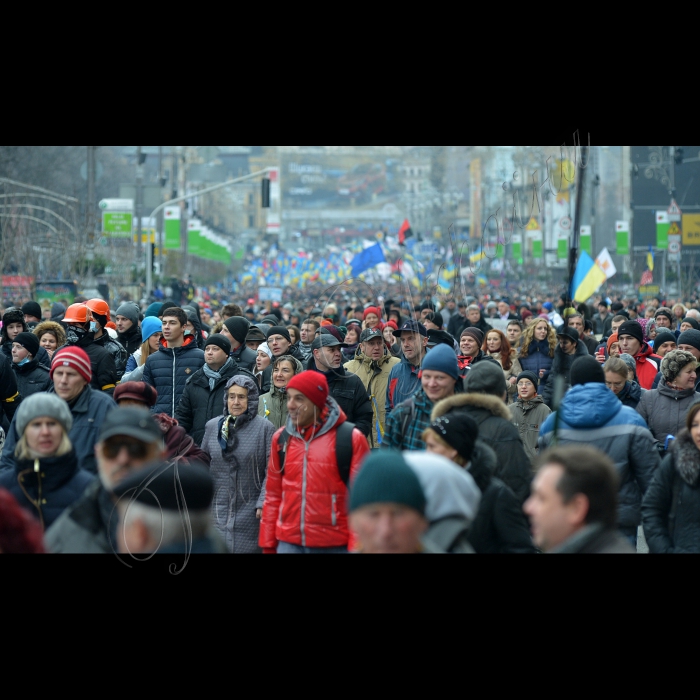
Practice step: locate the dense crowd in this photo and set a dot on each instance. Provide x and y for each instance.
(518, 424)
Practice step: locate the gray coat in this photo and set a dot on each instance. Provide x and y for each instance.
(239, 471)
(665, 410)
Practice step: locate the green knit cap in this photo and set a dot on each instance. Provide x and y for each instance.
(386, 478)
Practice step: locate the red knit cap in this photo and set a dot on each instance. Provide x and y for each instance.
(393, 325)
(74, 357)
(373, 310)
(313, 385)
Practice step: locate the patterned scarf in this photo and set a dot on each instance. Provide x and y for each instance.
(213, 376)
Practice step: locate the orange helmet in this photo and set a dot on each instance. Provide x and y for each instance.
(78, 313)
(99, 307)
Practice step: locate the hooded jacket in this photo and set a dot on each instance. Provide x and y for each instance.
(200, 404)
(168, 371)
(561, 367)
(665, 410)
(648, 366)
(528, 417)
(46, 487)
(498, 432)
(631, 395)
(404, 382)
(307, 505)
(375, 378)
(592, 415)
(239, 471)
(56, 330)
(273, 405)
(678, 477)
(500, 526)
(32, 378)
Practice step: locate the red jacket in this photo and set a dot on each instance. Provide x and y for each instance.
(648, 366)
(307, 506)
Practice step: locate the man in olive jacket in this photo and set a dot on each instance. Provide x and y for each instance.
(529, 413)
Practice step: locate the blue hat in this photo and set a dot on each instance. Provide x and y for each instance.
(549, 306)
(153, 310)
(412, 327)
(150, 326)
(442, 359)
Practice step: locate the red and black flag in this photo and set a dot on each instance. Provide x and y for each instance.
(405, 232)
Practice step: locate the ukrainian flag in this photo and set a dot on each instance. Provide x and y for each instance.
(588, 278)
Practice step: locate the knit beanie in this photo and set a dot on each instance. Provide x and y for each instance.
(692, 322)
(393, 325)
(313, 385)
(486, 378)
(238, 327)
(587, 370)
(373, 310)
(13, 315)
(442, 359)
(31, 308)
(614, 338)
(691, 338)
(167, 305)
(664, 312)
(264, 347)
(674, 363)
(525, 315)
(136, 391)
(664, 337)
(29, 342)
(150, 326)
(473, 333)
(130, 311)
(632, 328)
(459, 430)
(74, 357)
(43, 406)
(531, 377)
(386, 478)
(220, 341)
(279, 330)
(630, 362)
(154, 310)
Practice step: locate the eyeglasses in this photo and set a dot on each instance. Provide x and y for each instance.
(136, 448)
(525, 385)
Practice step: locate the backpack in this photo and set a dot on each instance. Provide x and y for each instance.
(343, 450)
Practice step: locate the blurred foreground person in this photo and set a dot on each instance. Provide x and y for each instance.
(671, 507)
(19, 532)
(387, 507)
(166, 510)
(573, 507)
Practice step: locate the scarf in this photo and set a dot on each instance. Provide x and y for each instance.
(213, 376)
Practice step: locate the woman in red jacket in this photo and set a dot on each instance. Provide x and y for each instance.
(305, 508)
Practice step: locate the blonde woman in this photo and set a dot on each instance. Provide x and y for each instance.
(537, 348)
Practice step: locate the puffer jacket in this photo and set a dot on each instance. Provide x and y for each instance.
(561, 367)
(245, 358)
(500, 526)
(168, 371)
(528, 417)
(46, 487)
(498, 432)
(631, 395)
(404, 383)
(239, 474)
(648, 366)
(32, 378)
(117, 351)
(537, 360)
(273, 405)
(307, 505)
(679, 476)
(406, 424)
(375, 378)
(89, 412)
(592, 415)
(200, 404)
(665, 410)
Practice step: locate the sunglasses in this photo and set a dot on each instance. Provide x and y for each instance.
(135, 448)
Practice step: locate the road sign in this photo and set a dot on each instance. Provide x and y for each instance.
(118, 224)
(674, 211)
(691, 229)
(117, 205)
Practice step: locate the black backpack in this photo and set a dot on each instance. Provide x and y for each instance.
(343, 450)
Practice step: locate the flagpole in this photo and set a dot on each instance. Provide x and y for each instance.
(573, 252)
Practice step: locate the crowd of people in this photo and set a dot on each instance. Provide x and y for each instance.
(476, 425)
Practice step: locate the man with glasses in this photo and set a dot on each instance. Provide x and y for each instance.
(129, 440)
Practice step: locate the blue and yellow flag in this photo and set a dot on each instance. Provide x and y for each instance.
(588, 279)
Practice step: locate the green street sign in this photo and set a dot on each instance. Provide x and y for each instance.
(118, 224)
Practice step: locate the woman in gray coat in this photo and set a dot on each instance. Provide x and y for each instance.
(239, 446)
(665, 409)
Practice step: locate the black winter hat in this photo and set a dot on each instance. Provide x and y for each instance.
(692, 322)
(664, 337)
(587, 370)
(29, 342)
(664, 312)
(13, 315)
(279, 330)
(633, 329)
(238, 327)
(31, 308)
(691, 338)
(459, 430)
(531, 377)
(220, 341)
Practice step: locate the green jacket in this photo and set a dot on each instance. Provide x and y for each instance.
(528, 418)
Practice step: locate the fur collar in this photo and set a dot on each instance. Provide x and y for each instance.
(489, 403)
(687, 458)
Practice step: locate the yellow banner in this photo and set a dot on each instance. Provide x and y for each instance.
(691, 229)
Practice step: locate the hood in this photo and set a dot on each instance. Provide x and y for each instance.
(244, 382)
(589, 406)
(336, 417)
(644, 353)
(298, 369)
(632, 391)
(189, 341)
(687, 458)
(55, 328)
(449, 490)
(528, 405)
(489, 403)
(483, 465)
(665, 390)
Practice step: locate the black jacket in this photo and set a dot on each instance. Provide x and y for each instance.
(678, 477)
(199, 404)
(89, 411)
(131, 340)
(561, 366)
(32, 378)
(42, 357)
(168, 371)
(104, 371)
(591, 344)
(57, 485)
(498, 432)
(10, 398)
(245, 358)
(117, 351)
(500, 526)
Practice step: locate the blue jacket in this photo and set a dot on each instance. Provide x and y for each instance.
(403, 384)
(592, 415)
(538, 359)
(89, 412)
(56, 486)
(168, 371)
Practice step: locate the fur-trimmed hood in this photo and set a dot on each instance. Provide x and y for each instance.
(51, 327)
(687, 458)
(483, 401)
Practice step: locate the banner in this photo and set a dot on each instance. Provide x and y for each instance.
(623, 237)
(587, 239)
(562, 247)
(518, 248)
(172, 228)
(194, 237)
(663, 224)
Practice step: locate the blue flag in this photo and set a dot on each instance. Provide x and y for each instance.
(367, 259)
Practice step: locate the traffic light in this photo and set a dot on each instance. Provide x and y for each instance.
(678, 156)
(266, 193)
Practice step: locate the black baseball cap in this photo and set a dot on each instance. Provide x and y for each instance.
(130, 422)
(570, 333)
(326, 340)
(369, 334)
(412, 327)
